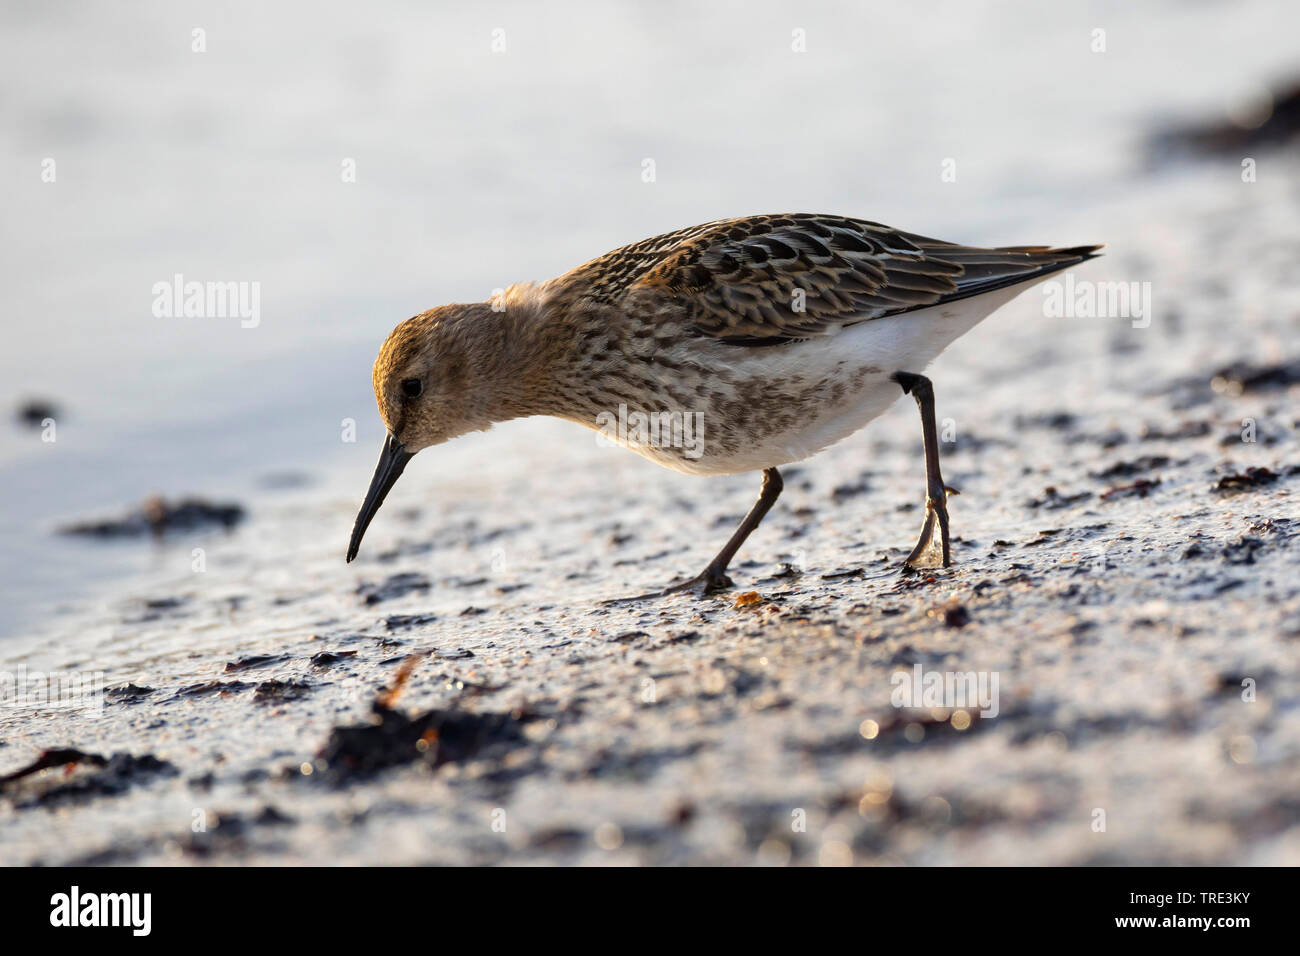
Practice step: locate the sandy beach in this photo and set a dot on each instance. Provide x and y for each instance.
(1125, 550)
(1121, 595)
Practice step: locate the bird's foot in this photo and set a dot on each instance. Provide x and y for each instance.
(936, 513)
(709, 581)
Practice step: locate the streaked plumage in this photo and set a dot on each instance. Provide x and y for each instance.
(784, 332)
(738, 279)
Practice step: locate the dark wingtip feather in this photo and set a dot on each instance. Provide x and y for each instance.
(1082, 252)
(1050, 259)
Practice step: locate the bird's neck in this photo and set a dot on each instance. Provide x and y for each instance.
(520, 343)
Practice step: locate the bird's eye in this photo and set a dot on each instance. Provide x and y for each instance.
(411, 387)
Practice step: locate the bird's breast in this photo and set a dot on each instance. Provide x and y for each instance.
(707, 408)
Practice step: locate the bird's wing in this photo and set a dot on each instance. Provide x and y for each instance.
(768, 279)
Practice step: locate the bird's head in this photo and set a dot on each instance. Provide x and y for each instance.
(430, 384)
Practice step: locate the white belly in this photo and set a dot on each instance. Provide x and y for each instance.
(809, 395)
(748, 409)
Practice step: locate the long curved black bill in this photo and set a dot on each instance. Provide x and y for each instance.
(392, 462)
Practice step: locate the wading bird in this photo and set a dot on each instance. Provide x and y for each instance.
(785, 333)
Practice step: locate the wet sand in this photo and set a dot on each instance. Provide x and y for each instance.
(1117, 565)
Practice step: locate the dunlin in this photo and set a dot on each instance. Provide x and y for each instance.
(779, 335)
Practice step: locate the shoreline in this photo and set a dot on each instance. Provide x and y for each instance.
(1118, 566)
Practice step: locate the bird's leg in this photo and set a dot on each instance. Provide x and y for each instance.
(936, 492)
(714, 577)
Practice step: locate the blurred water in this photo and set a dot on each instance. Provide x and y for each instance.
(474, 169)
